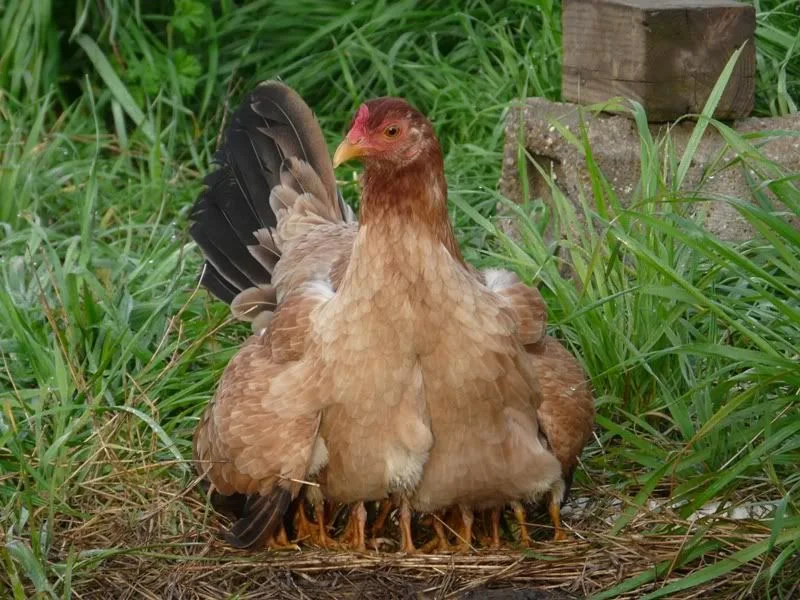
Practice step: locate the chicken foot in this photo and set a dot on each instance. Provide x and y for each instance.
(440, 543)
(305, 528)
(316, 533)
(279, 541)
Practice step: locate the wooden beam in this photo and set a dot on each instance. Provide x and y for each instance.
(665, 54)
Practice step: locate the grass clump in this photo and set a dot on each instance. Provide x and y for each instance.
(109, 113)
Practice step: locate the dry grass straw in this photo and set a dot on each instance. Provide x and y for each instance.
(141, 530)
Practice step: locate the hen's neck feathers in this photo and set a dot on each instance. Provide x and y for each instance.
(412, 197)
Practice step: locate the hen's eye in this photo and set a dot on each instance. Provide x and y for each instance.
(391, 131)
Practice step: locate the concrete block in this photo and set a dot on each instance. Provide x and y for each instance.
(616, 148)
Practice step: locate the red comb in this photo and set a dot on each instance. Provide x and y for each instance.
(359, 126)
(362, 116)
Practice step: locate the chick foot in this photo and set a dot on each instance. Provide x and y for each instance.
(280, 541)
(440, 543)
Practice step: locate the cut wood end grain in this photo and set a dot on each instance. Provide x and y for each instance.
(666, 55)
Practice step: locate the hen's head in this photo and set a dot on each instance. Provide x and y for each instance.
(388, 132)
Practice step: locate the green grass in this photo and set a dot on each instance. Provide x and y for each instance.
(109, 113)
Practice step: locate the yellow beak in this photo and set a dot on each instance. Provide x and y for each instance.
(345, 152)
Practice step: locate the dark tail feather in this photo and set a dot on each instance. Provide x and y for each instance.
(271, 125)
(217, 284)
(232, 506)
(231, 260)
(260, 518)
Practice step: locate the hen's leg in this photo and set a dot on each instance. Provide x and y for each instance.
(554, 508)
(519, 513)
(353, 536)
(349, 533)
(305, 529)
(494, 525)
(406, 538)
(383, 514)
(321, 537)
(361, 527)
(467, 518)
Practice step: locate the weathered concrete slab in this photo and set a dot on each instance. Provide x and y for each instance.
(616, 148)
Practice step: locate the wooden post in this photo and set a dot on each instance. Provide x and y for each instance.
(666, 54)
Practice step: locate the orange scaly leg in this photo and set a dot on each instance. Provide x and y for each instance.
(406, 537)
(440, 543)
(383, 514)
(359, 512)
(467, 518)
(349, 533)
(554, 508)
(280, 541)
(494, 524)
(321, 537)
(305, 528)
(353, 536)
(519, 513)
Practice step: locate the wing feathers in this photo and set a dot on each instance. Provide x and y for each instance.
(526, 304)
(258, 435)
(248, 304)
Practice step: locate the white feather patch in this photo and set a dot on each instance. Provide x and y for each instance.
(497, 279)
(319, 457)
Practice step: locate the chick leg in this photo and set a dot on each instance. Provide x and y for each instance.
(494, 524)
(467, 518)
(519, 513)
(406, 538)
(383, 514)
(554, 508)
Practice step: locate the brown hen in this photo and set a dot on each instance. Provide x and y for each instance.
(388, 368)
